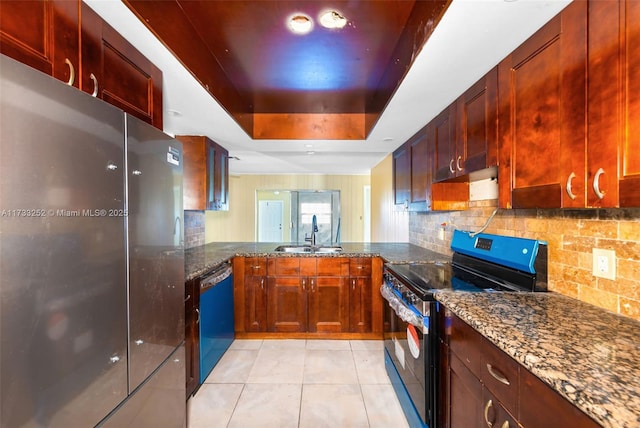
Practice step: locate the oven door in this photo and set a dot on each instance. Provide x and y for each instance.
(408, 346)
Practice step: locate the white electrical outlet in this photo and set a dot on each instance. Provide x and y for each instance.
(604, 263)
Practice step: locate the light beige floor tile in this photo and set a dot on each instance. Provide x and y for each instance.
(370, 367)
(278, 366)
(329, 367)
(233, 367)
(268, 406)
(246, 344)
(383, 408)
(332, 406)
(367, 345)
(336, 345)
(213, 405)
(283, 344)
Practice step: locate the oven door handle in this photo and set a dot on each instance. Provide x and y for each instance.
(401, 309)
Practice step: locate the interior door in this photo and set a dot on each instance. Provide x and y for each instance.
(270, 217)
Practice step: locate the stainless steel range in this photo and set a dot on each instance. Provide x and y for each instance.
(480, 263)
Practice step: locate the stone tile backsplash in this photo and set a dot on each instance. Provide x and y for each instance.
(571, 235)
(193, 229)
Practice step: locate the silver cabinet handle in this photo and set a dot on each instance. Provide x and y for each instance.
(304, 284)
(568, 187)
(262, 283)
(136, 172)
(353, 284)
(198, 318)
(255, 267)
(187, 299)
(95, 85)
(486, 413)
(311, 282)
(114, 359)
(451, 166)
(505, 424)
(458, 163)
(497, 375)
(112, 166)
(596, 184)
(72, 72)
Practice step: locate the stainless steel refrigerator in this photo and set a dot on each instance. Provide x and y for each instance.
(91, 261)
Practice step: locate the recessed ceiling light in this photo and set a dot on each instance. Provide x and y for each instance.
(332, 19)
(308, 146)
(174, 112)
(387, 139)
(299, 23)
(311, 152)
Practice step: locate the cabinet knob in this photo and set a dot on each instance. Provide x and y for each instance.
(72, 72)
(112, 166)
(596, 184)
(95, 85)
(114, 359)
(568, 187)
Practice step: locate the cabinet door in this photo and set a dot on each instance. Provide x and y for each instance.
(43, 35)
(115, 71)
(287, 304)
(477, 120)
(255, 311)
(221, 193)
(402, 175)
(542, 91)
(420, 172)
(466, 406)
(360, 304)
(613, 150)
(328, 304)
(442, 136)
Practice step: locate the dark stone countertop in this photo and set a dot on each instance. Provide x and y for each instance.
(589, 355)
(200, 260)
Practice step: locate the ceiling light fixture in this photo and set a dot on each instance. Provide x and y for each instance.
(332, 19)
(299, 23)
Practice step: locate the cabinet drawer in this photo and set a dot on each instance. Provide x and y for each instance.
(557, 411)
(288, 266)
(333, 266)
(494, 413)
(500, 374)
(360, 266)
(255, 266)
(466, 343)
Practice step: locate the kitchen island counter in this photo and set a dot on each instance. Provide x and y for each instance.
(587, 354)
(201, 259)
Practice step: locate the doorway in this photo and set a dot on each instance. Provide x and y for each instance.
(270, 221)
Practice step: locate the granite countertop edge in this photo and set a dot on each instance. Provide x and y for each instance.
(586, 365)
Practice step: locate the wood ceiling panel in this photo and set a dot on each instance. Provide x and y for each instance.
(253, 57)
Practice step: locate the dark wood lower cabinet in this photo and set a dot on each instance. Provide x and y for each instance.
(307, 297)
(482, 386)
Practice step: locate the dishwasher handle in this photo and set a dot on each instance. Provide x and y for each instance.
(216, 277)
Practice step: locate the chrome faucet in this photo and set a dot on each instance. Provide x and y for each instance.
(314, 229)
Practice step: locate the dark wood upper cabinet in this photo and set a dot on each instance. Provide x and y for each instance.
(43, 35)
(412, 173)
(613, 149)
(205, 174)
(542, 108)
(477, 122)
(115, 71)
(402, 176)
(442, 136)
(69, 41)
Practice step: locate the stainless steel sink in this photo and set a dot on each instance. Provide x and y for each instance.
(305, 249)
